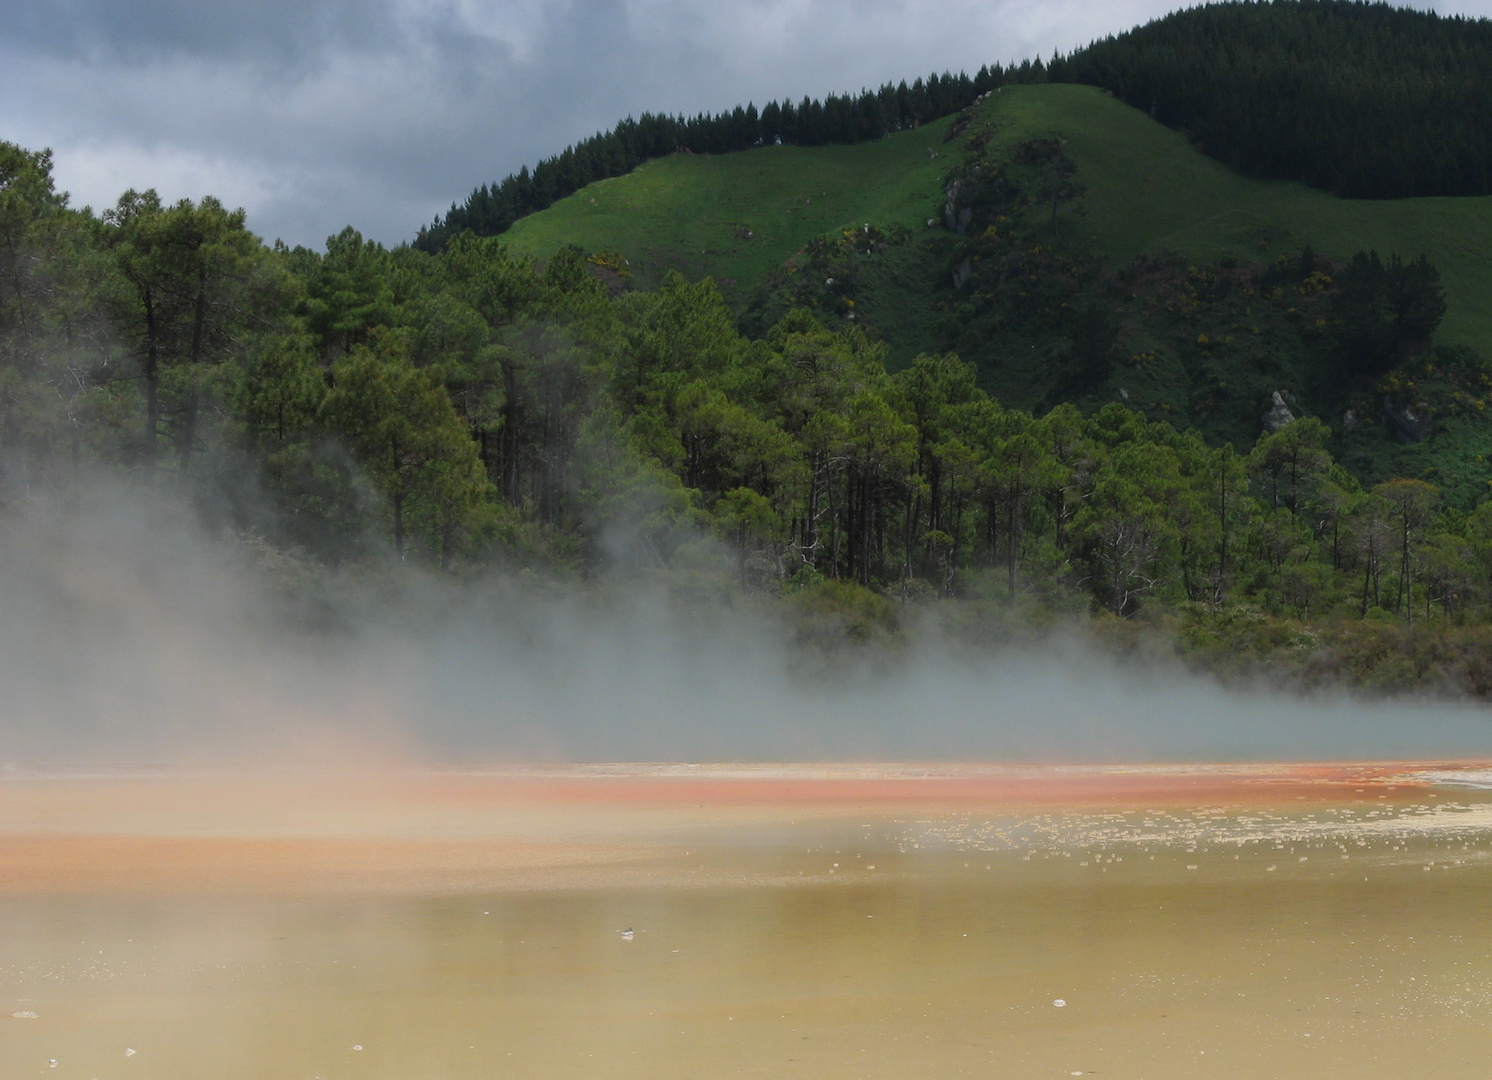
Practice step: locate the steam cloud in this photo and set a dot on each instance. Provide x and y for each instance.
(129, 635)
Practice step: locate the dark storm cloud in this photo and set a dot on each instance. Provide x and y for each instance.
(314, 114)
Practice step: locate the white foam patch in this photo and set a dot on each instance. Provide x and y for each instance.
(1462, 778)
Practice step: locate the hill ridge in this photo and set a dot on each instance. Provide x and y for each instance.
(1246, 81)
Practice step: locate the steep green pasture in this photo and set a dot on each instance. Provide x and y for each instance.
(1149, 190)
(692, 213)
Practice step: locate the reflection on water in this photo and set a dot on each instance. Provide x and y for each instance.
(1344, 939)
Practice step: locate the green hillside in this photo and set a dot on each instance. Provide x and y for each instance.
(692, 213)
(1165, 243)
(1148, 190)
(1357, 99)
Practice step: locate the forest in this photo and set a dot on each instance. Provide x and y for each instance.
(1365, 100)
(468, 410)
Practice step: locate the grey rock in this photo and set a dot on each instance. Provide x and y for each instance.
(950, 207)
(1279, 413)
(1349, 420)
(962, 273)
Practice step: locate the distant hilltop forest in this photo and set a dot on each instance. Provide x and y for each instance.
(1005, 348)
(1364, 100)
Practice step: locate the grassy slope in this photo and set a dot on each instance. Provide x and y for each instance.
(683, 212)
(1149, 190)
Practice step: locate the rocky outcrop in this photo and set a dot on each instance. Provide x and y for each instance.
(1279, 413)
(956, 218)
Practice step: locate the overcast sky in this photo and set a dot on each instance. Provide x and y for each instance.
(315, 114)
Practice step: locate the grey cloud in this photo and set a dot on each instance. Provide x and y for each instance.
(284, 31)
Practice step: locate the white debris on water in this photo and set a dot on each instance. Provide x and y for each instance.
(1383, 831)
(1465, 778)
(24, 1014)
(128, 1052)
(1060, 1003)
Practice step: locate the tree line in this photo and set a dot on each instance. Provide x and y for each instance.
(1362, 99)
(839, 118)
(471, 407)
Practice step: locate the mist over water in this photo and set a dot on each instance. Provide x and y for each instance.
(129, 635)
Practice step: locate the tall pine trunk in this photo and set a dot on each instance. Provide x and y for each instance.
(194, 358)
(152, 382)
(1012, 543)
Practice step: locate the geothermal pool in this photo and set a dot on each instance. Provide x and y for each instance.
(815, 922)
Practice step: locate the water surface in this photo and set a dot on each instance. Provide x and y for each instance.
(1285, 924)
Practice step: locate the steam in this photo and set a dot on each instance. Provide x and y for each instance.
(129, 635)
